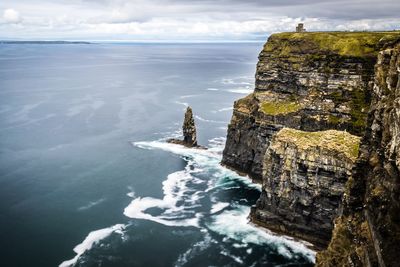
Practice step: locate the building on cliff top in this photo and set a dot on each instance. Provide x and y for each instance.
(300, 28)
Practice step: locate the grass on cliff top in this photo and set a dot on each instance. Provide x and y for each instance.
(339, 141)
(279, 107)
(355, 44)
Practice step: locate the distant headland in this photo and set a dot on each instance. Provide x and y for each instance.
(42, 42)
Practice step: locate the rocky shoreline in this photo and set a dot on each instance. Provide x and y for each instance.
(299, 135)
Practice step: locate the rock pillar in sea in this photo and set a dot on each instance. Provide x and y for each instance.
(189, 129)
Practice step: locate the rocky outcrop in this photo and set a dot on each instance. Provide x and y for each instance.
(368, 231)
(305, 81)
(189, 131)
(310, 83)
(304, 179)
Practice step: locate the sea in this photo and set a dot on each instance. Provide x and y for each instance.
(87, 177)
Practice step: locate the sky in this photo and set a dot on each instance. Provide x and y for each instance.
(187, 20)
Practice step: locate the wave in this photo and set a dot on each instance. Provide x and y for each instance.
(227, 219)
(217, 207)
(244, 80)
(91, 239)
(205, 120)
(175, 190)
(241, 90)
(234, 224)
(182, 103)
(225, 109)
(188, 96)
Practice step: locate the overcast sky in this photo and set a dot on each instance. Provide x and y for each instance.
(187, 19)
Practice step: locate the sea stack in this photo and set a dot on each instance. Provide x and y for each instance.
(189, 131)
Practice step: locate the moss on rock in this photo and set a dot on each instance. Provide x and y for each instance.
(279, 107)
(340, 141)
(351, 44)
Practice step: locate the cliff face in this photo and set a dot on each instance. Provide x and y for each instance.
(304, 179)
(306, 81)
(368, 231)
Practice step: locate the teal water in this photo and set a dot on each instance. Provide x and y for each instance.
(86, 178)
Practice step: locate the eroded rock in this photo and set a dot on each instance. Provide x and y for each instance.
(189, 131)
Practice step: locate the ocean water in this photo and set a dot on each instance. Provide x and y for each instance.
(87, 179)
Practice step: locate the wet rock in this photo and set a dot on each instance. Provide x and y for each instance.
(368, 231)
(311, 82)
(189, 131)
(304, 179)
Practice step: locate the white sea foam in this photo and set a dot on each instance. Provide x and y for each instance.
(241, 90)
(206, 120)
(235, 258)
(194, 250)
(187, 96)
(217, 207)
(225, 109)
(209, 159)
(182, 103)
(228, 221)
(175, 189)
(234, 225)
(131, 193)
(212, 89)
(244, 80)
(91, 204)
(91, 239)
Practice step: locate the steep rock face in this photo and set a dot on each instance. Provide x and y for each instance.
(304, 178)
(368, 231)
(189, 128)
(306, 81)
(189, 131)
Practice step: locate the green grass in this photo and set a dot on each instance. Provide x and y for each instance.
(339, 141)
(280, 107)
(353, 44)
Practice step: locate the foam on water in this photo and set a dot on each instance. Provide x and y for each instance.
(91, 204)
(225, 109)
(206, 120)
(235, 225)
(227, 220)
(217, 207)
(241, 90)
(91, 239)
(175, 190)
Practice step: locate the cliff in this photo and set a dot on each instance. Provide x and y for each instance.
(304, 179)
(306, 84)
(305, 81)
(368, 231)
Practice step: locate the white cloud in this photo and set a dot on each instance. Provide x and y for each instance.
(11, 16)
(187, 19)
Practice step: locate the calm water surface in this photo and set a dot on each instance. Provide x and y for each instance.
(86, 178)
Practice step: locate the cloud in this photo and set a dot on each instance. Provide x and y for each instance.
(11, 16)
(190, 19)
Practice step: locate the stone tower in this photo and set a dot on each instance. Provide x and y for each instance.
(300, 28)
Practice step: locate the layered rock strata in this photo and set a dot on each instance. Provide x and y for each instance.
(189, 131)
(304, 178)
(310, 82)
(368, 231)
(306, 81)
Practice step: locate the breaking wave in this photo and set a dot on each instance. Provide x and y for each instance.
(91, 239)
(225, 218)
